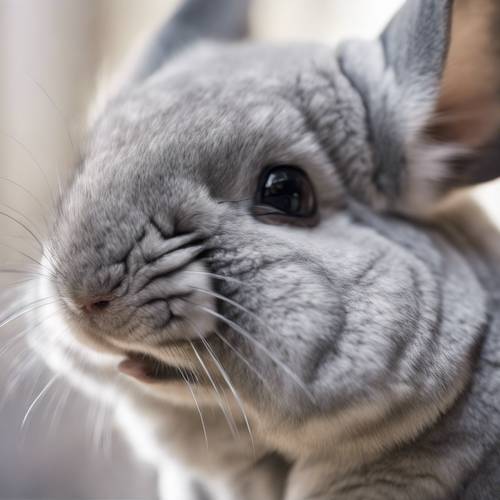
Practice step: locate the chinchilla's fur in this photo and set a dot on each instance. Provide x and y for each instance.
(356, 356)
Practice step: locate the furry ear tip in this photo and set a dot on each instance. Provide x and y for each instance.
(194, 20)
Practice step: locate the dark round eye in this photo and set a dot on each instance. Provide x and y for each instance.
(288, 191)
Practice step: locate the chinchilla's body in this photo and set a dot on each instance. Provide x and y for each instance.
(257, 268)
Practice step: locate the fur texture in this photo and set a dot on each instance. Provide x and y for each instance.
(354, 359)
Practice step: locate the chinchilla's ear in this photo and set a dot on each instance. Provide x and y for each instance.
(194, 20)
(431, 88)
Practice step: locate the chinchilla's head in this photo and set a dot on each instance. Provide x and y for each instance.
(234, 226)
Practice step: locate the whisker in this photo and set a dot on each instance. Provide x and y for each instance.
(63, 117)
(229, 417)
(231, 302)
(49, 404)
(25, 240)
(12, 342)
(235, 327)
(33, 159)
(35, 401)
(59, 409)
(17, 284)
(239, 306)
(18, 368)
(246, 362)
(202, 420)
(24, 216)
(54, 273)
(30, 258)
(235, 304)
(53, 261)
(35, 275)
(229, 279)
(22, 334)
(27, 309)
(26, 228)
(29, 224)
(13, 291)
(42, 206)
(235, 394)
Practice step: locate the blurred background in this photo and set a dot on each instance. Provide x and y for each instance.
(55, 56)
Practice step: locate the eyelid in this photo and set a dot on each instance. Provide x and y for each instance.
(268, 216)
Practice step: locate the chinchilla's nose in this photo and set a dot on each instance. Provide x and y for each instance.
(156, 283)
(94, 292)
(92, 305)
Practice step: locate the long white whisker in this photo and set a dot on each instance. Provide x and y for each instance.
(273, 358)
(33, 306)
(53, 273)
(231, 387)
(32, 259)
(202, 420)
(19, 366)
(35, 401)
(246, 362)
(7, 270)
(25, 227)
(19, 336)
(244, 309)
(229, 417)
(12, 342)
(232, 302)
(25, 218)
(42, 206)
(13, 285)
(229, 279)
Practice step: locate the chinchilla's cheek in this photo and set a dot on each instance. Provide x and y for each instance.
(293, 290)
(326, 316)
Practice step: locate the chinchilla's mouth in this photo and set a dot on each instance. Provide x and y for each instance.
(148, 369)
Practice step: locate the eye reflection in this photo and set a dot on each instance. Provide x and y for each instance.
(288, 190)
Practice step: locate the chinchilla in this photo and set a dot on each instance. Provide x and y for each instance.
(263, 267)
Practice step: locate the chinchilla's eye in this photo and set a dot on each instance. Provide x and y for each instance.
(285, 191)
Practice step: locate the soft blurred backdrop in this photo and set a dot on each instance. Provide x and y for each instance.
(54, 57)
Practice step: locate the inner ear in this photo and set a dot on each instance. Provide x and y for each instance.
(431, 90)
(468, 108)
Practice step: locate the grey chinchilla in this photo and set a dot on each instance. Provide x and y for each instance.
(263, 266)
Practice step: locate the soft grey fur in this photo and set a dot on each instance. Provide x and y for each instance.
(364, 351)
